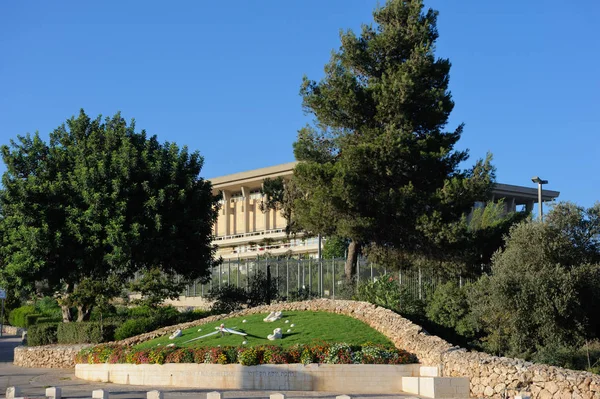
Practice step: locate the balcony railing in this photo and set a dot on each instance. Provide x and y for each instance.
(250, 234)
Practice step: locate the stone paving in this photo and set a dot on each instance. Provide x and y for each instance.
(33, 383)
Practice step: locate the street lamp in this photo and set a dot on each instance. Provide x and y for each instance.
(540, 182)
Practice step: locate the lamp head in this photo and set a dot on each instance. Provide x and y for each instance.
(537, 180)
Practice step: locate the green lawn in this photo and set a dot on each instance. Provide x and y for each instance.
(308, 327)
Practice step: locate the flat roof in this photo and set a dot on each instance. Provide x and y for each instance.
(235, 181)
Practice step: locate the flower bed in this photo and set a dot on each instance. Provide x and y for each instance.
(336, 353)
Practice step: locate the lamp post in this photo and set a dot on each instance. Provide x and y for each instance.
(540, 183)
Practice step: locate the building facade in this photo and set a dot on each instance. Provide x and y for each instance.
(243, 231)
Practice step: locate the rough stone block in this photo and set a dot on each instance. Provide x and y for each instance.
(54, 393)
(277, 396)
(213, 395)
(99, 394)
(343, 397)
(523, 396)
(13, 392)
(155, 395)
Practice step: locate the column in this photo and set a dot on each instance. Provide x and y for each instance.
(226, 210)
(245, 210)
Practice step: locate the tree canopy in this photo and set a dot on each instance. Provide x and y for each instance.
(377, 166)
(100, 201)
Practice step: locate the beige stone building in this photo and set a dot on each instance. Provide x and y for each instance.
(244, 231)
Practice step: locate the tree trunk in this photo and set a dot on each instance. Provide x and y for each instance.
(350, 267)
(83, 313)
(66, 314)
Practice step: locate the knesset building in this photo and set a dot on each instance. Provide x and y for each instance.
(243, 231)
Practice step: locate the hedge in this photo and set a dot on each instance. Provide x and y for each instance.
(42, 334)
(337, 353)
(17, 316)
(84, 333)
(31, 319)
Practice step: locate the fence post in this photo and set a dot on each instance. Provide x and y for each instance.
(229, 272)
(420, 285)
(309, 275)
(277, 277)
(287, 277)
(371, 271)
(220, 273)
(298, 274)
(237, 273)
(333, 280)
(321, 281)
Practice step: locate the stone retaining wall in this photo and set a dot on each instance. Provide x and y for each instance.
(49, 356)
(11, 330)
(490, 376)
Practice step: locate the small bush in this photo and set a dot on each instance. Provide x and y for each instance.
(387, 293)
(42, 334)
(31, 319)
(134, 327)
(46, 319)
(17, 316)
(228, 298)
(85, 333)
(49, 307)
(449, 308)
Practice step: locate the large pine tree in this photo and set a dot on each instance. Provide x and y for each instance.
(377, 166)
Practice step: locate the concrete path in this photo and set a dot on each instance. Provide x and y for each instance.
(33, 383)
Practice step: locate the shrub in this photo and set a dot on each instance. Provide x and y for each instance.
(46, 319)
(42, 334)
(17, 316)
(449, 308)
(31, 319)
(387, 293)
(49, 307)
(84, 333)
(228, 298)
(134, 327)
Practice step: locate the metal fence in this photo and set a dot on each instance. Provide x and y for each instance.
(324, 278)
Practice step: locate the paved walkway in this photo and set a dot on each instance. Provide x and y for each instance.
(33, 383)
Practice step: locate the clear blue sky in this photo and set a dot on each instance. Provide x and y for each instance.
(223, 77)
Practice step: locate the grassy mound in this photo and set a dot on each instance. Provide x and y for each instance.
(308, 327)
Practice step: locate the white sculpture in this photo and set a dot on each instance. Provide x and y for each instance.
(220, 330)
(276, 335)
(170, 345)
(292, 325)
(287, 321)
(273, 316)
(176, 334)
(289, 330)
(243, 321)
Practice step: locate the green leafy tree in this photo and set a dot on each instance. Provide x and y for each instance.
(101, 201)
(377, 166)
(544, 291)
(334, 247)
